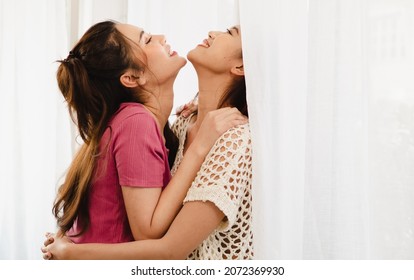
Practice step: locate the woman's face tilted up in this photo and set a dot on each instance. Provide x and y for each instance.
(219, 52)
(162, 61)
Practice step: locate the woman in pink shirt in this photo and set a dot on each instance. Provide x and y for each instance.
(118, 84)
(215, 220)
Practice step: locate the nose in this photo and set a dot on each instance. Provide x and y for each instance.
(212, 34)
(161, 38)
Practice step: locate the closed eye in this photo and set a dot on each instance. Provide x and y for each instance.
(228, 31)
(149, 40)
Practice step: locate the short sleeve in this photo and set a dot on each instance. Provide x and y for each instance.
(223, 176)
(138, 152)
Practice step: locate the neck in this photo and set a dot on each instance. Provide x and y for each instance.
(211, 87)
(160, 103)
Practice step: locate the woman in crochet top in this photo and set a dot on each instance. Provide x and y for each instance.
(215, 219)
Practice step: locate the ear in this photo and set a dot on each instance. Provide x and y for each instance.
(237, 70)
(132, 78)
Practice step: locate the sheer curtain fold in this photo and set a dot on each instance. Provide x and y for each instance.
(275, 58)
(360, 213)
(330, 127)
(337, 126)
(33, 121)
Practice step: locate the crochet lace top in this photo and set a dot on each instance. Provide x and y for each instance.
(224, 179)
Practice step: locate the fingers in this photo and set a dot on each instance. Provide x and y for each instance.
(192, 107)
(234, 115)
(49, 238)
(48, 241)
(227, 118)
(187, 109)
(43, 249)
(180, 109)
(46, 254)
(225, 111)
(228, 114)
(186, 112)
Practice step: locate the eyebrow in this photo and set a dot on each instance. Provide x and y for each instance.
(234, 27)
(140, 34)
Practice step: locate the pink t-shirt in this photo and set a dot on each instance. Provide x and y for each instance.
(133, 154)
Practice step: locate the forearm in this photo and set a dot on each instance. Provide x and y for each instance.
(194, 223)
(172, 196)
(140, 250)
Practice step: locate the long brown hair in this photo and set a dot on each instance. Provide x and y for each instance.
(89, 79)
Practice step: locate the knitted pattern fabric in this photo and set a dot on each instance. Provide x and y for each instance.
(224, 179)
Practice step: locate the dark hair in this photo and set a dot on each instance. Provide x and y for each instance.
(235, 96)
(171, 142)
(89, 79)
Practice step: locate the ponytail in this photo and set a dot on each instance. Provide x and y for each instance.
(71, 202)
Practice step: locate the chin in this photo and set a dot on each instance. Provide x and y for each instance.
(184, 62)
(191, 55)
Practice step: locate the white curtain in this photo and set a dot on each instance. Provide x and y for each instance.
(331, 110)
(331, 100)
(274, 37)
(35, 137)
